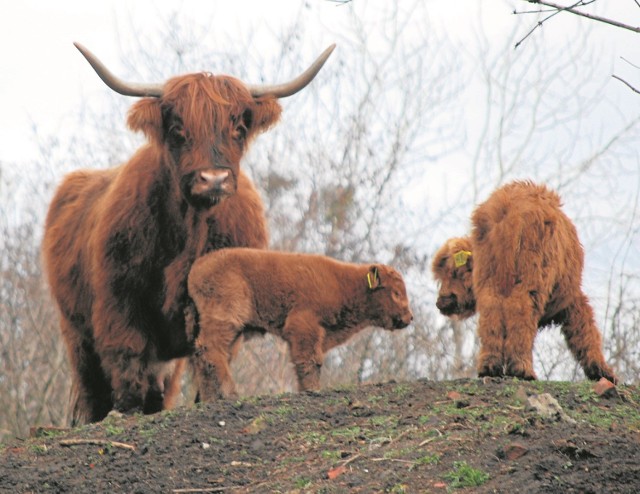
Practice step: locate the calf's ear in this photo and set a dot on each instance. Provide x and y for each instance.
(373, 278)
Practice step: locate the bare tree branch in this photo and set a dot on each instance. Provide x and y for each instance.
(574, 10)
(625, 82)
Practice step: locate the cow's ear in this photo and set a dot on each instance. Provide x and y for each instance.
(146, 116)
(265, 114)
(463, 258)
(373, 278)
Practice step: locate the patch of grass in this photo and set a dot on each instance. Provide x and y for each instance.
(464, 475)
(148, 432)
(349, 433)
(169, 414)
(402, 389)
(113, 430)
(586, 394)
(38, 449)
(424, 419)
(293, 460)
(432, 459)
(302, 483)
(539, 386)
(384, 421)
(345, 388)
(399, 489)
(338, 400)
(397, 453)
(331, 455)
(50, 432)
(247, 400)
(311, 437)
(600, 418)
(284, 410)
(467, 386)
(508, 390)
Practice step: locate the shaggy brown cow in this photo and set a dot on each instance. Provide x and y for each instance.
(119, 243)
(313, 302)
(521, 269)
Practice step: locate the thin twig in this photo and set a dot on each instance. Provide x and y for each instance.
(354, 457)
(630, 63)
(538, 24)
(593, 17)
(398, 460)
(96, 442)
(204, 489)
(625, 82)
(427, 441)
(411, 429)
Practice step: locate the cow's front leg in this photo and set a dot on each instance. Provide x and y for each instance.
(129, 380)
(124, 354)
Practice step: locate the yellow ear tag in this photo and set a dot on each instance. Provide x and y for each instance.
(461, 257)
(370, 280)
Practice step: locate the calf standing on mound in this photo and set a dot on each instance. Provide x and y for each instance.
(521, 269)
(313, 302)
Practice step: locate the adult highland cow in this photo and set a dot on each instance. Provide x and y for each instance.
(119, 243)
(521, 270)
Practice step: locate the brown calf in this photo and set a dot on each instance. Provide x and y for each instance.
(521, 269)
(313, 302)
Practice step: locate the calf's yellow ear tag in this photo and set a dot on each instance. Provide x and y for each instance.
(461, 257)
(372, 279)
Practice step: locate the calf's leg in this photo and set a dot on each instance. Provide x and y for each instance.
(491, 334)
(584, 340)
(521, 328)
(212, 358)
(305, 336)
(507, 328)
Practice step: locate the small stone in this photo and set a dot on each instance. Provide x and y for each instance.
(605, 388)
(222, 423)
(205, 445)
(548, 407)
(454, 395)
(515, 450)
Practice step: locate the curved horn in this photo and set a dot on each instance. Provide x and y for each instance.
(295, 85)
(118, 85)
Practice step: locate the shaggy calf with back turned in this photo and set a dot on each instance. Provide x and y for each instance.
(313, 302)
(521, 269)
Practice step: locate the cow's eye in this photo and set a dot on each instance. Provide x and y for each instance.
(177, 135)
(240, 133)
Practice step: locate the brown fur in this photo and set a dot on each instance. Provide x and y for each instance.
(525, 272)
(313, 302)
(118, 243)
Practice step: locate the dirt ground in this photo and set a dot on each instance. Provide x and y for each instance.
(472, 435)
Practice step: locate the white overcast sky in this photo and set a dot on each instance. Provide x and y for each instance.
(42, 76)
